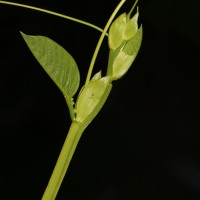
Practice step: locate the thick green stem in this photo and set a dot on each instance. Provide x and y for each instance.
(63, 161)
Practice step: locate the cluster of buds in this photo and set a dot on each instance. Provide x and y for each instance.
(124, 39)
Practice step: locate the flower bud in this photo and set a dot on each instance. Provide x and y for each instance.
(131, 27)
(115, 35)
(91, 99)
(122, 29)
(124, 40)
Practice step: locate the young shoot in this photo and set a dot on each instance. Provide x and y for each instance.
(124, 41)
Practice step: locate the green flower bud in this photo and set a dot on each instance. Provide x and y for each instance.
(91, 99)
(122, 29)
(124, 46)
(121, 65)
(96, 76)
(131, 27)
(115, 35)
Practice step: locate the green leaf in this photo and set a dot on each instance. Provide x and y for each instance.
(131, 27)
(132, 47)
(121, 65)
(91, 99)
(58, 64)
(116, 32)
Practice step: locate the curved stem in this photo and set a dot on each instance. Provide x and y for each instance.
(63, 161)
(101, 40)
(129, 14)
(53, 13)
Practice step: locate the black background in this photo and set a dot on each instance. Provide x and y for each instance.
(143, 144)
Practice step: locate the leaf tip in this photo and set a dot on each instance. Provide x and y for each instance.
(23, 35)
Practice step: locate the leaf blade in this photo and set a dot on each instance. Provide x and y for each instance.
(56, 61)
(58, 64)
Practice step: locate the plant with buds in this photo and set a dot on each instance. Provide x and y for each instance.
(124, 41)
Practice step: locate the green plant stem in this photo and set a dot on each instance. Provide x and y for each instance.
(53, 13)
(129, 14)
(101, 40)
(63, 161)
